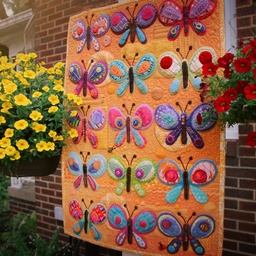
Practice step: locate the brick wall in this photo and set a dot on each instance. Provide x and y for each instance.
(240, 206)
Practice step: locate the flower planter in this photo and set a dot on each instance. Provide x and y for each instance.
(38, 167)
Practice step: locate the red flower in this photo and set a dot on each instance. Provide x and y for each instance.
(253, 43)
(252, 55)
(240, 85)
(205, 89)
(231, 94)
(242, 65)
(209, 69)
(247, 49)
(228, 72)
(251, 139)
(222, 104)
(250, 91)
(225, 60)
(205, 57)
(254, 73)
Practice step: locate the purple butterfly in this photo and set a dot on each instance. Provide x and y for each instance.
(172, 14)
(133, 26)
(202, 118)
(89, 77)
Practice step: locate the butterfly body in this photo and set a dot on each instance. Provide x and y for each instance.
(201, 227)
(121, 24)
(189, 15)
(86, 173)
(144, 222)
(202, 173)
(182, 124)
(131, 176)
(86, 124)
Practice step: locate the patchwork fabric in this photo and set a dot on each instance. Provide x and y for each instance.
(145, 174)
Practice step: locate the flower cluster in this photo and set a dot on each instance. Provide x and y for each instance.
(33, 106)
(230, 83)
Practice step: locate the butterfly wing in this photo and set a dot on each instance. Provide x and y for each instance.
(144, 68)
(76, 212)
(117, 122)
(101, 25)
(169, 173)
(200, 10)
(117, 219)
(117, 171)
(97, 216)
(77, 122)
(76, 76)
(145, 18)
(95, 169)
(168, 118)
(202, 227)
(202, 173)
(143, 223)
(78, 31)
(170, 13)
(169, 225)
(203, 118)
(143, 172)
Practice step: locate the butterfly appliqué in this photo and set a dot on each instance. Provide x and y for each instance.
(88, 219)
(202, 118)
(121, 24)
(129, 127)
(88, 78)
(202, 173)
(119, 73)
(88, 35)
(132, 176)
(172, 14)
(183, 71)
(86, 123)
(86, 172)
(202, 227)
(143, 223)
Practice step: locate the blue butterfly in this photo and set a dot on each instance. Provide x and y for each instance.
(133, 26)
(202, 118)
(202, 173)
(143, 223)
(120, 73)
(202, 227)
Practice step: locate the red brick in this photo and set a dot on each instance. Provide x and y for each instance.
(248, 183)
(232, 148)
(245, 129)
(247, 248)
(244, 22)
(248, 227)
(236, 215)
(247, 206)
(230, 224)
(241, 3)
(239, 236)
(246, 194)
(231, 182)
(248, 162)
(246, 151)
(240, 172)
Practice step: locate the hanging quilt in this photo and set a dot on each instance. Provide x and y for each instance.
(145, 171)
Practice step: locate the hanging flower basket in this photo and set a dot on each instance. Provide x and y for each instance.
(37, 167)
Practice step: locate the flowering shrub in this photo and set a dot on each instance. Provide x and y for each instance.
(230, 84)
(32, 108)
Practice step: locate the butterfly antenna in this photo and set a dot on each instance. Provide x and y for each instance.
(189, 49)
(86, 205)
(135, 6)
(91, 19)
(125, 205)
(190, 158)
(134, 156)
(125, 157)
(86, 17)
(189, 103)
(136, 54)
(134, 209)
(178, 50)
(193, 214)
(84, 157)
(125, 108)
(179, 213)
(179, 158)
(133, 105)
(127, 60)
(90, 64)
(178, 104)
(83, 64)
(88, 107)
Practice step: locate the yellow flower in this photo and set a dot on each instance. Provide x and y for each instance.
(36, 94)
(59, 65)
(51, 70)
(58, 72)
(71, 96)
(16, 156)
(73, 133)
(78, 100)
(52, 133)
(58, 138)
(73, 113)
(36, 115)
(10, 151)
(8, 132)
(21, 100)
(22, 57)
(32, 55)
(2, 153)
(46, 88)
(5, 142)
(7, 105)
(49, 146)
(54, 99)
(53, 109)
(41, 146)
(58, 88)
(9, 87)
(38, 127)
(22, 144)
(21, 124)
(51, 77)
(29, 74)
(2, 119)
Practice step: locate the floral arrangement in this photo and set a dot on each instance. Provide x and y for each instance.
(230, 83)
(33, 106)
